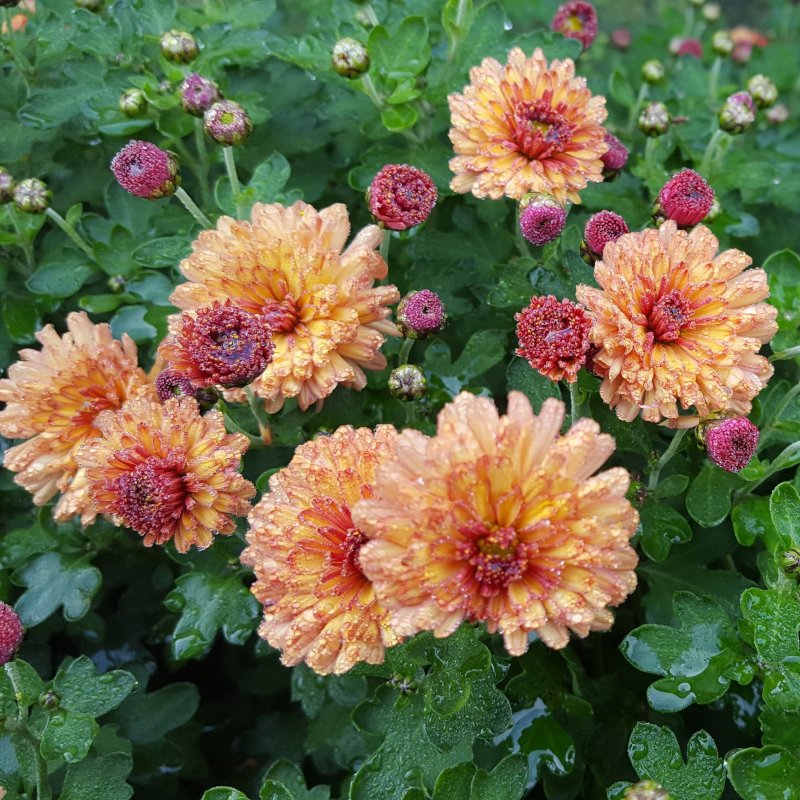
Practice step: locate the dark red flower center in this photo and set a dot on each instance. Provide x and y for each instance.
(495, 555)
(669, 315)
(281, 316)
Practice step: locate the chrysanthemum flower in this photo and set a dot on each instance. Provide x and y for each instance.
(498, 519)
(305, 552)
(328, 321)
(676, 322)
(542, 222)
(731, 443)
(166, 472)
(526, 127)
(576, 20)
(600, 229)
(53, 397)
(146, 171)
(685, 198)
(401, 196)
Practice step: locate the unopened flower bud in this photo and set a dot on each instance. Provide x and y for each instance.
(198, 94)
(179, 47)
(721, 43)
(49, 700)
(349, 58)
(777, 114)
(711, 12)
(146, 171)
(407, 382)
(653, 71)
(171, 383)
(615, 158)
(421, 314)
(576, 20)
(227, 123)
(685, 198)
(116, 283)
(90, 5)
(32, 196)
(730, 443)
(654, 119)
(132, 102)
(646, 790)
(686, 46)
(6, 186)
(738, 113)
(542, 218)
(621, 39)
(401, 196)
(11, 633)
(601, 228)
(762, 90)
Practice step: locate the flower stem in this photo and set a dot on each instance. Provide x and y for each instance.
(24, 244)
(369, 13)
(260, 415)
(192, 208)
(385, 243)
(370, 90)
(405, 352)
(710, 155)
(574, 403)
(71, 233)
(792, 352)
(673, 448)
(713, 80)
(202, 161)
(458, 25)
(644, 90)
(233, 177)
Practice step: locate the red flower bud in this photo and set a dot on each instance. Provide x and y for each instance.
(401, 196)
(11, 633)
(731, 443)
(576, 20)
(146, 171)
(686, 198)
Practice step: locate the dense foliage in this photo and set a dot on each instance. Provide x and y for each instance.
(141, 668)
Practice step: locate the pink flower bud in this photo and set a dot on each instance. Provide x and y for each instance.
(616, 157)
(602, 228)
(421, 314)
(686, 198)
(576, 20)
(401, 196)
(542, 221)
(146, 171)
(11, 633)
(731, 443)
(198, 94)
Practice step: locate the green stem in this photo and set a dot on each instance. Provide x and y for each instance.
(405, 352)
(71, 233)
(792, 352)
(257, 410)
(644, 90)
(458, 25)
(232, 426)
(688, 21)
(674, 445)
(192, 208)
(370, 90)
(369, 13)
(233, 177)
(24, 243)
(202, 161)
(713, 80)
(784, 460)
(574, 403)
(649, 152)
(385, 243)
(710, 155)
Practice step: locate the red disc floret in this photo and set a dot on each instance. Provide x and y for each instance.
(686, 198)
(401, 196)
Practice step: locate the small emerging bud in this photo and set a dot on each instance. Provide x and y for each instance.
(762, 90)
(179, 47)
(777, 114)
(576, 20)
(401, 196)
(615, 158)
(646, 790)
(686, 198)
(349, 58)
(542, 218)
(790, 561)
(49, 700)
(721, 43)
(116, 283)
(198, 94)
(32, 196)
(711, 12)
(621, 39)
(227, 123)
(730, 443)
(11, 633)
(715, 211)
(171, 383)
(738, 113)
(90, 5)
(553, 337)
(408, 382)
(421, 314)
(6, 186)
(654, 119)
(146, 171)
(132, 102)
(653, 71)
(601, 228)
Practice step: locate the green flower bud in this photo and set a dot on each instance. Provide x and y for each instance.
(408, 382)
(116, 283)
(653, 71)
(711, 12)
(738, 113)
(179, 47)
(6, 186)
(49, 700)
(654, 119)
(227, 123)
(349, 58)
(762, 90)
(132, 102)
(721, 43)
(790, 561)
(32, 196)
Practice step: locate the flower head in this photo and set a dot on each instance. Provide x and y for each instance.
(11, 633)
(541, 222)
(616, 157)
(685, 198)
(677, 322)
(32, 196)
(198, 94)
(6, 186)
(407, 382)
(526, 127)
(600, 229)
(171, 383)
(401, 196)
(166, 472)
(349, 58)
(219, 345)
(327, 319)
(553, 337)
(53, 397)
(498, 519)
(576, 20)
(227, 123)
(146, 171)
(731, 443)
(421, 314)
(178, 46)
(305, 551)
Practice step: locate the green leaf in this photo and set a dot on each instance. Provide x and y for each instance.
(60, 279)
(402, 55)
(98, 779)
(399, 118)
(54, 581)
(784, 508)
(68, 735)
(482, 351)
(146, 718)
(522, 377)
(697, 661)
(82, 689)
(269, 178)
(229, 793)
(130, 320)
(620, 88)
(751, 520)
(708, 500)
(765, 773)
(165, 251)
(21, 317)
(655, 754)
(207, 604)
(27, 685)
(662, 527)
(286, 779)
(507, 781)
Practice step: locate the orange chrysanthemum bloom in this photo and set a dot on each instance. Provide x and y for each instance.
(676, 321)
(53, 396)
(526, 127)
(499, 520)
(328, 320)
(305, 551)
(167, 472)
